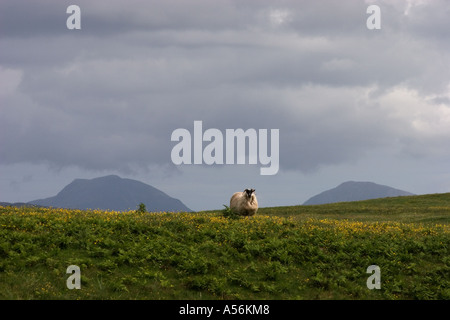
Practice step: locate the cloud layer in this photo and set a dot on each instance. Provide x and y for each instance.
(108, 96)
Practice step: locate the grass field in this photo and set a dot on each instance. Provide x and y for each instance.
(298, 252)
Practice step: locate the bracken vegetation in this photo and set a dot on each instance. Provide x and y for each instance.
(301, 252)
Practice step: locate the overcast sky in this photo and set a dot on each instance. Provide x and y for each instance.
(350, 103)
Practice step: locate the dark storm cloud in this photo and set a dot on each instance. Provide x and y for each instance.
(109, 95)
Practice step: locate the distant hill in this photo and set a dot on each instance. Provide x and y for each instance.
(355, 191)
(111, 193)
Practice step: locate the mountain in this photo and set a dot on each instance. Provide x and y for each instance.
(355, 191)
(111, 193)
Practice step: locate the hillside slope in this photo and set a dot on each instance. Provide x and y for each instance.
(285, 254)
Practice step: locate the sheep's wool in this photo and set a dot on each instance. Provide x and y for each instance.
(243, 205)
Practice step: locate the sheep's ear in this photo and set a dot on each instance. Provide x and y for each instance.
(253, 190)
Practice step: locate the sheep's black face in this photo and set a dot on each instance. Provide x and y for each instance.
(248, 192)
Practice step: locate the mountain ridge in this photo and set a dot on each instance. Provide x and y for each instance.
(355, 191)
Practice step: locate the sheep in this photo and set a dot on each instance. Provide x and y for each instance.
(244, 203)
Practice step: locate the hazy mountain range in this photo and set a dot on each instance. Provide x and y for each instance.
(115, 193)
(355, 191)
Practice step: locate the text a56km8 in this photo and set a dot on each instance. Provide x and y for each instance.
(227, 310)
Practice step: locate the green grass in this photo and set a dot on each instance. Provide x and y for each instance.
(433, 208)
(297, 252)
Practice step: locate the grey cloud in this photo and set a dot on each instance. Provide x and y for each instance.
(28, 19)
(109, 95)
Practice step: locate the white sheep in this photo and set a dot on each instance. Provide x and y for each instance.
(244, 203)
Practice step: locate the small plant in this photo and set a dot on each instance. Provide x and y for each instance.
(142, 208)
(230, 213)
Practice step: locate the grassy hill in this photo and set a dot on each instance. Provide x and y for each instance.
(431, 208)
(298, 252)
